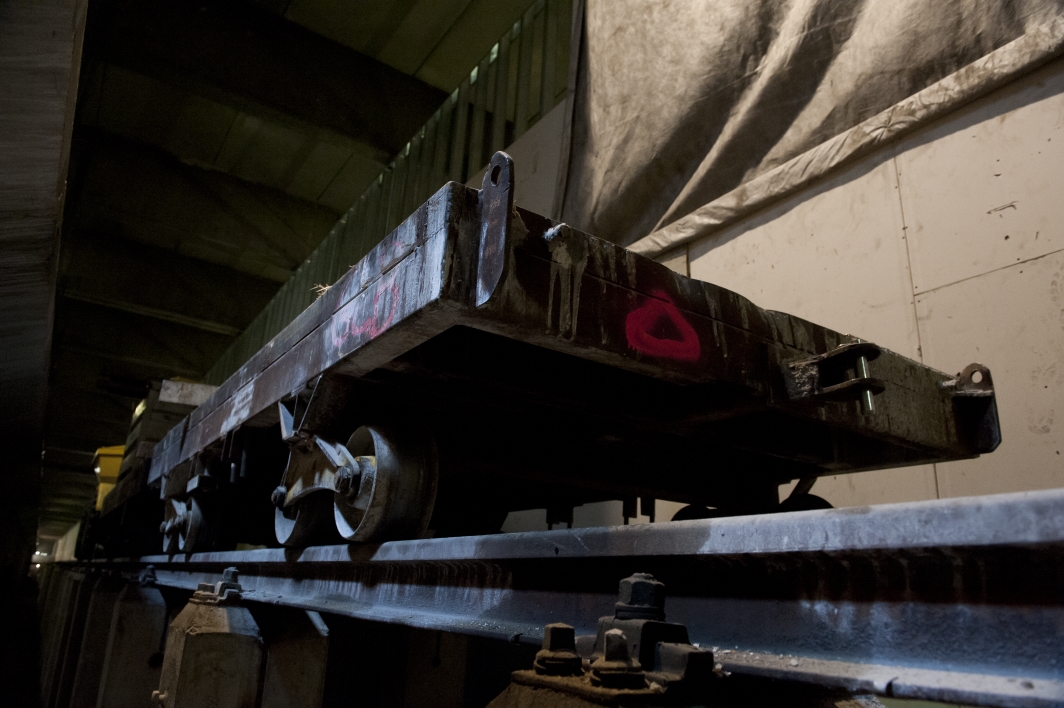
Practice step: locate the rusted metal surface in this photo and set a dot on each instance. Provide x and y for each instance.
(553, 368)
(958, 600)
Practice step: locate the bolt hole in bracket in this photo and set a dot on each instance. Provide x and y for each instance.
(972, 391)
(496, 213)
(839, 375)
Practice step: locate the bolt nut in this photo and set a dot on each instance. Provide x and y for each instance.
(279, 496)
(616, 668)
(641, 597)
(616, 648)
(347, 480)
(559, 637)
(558, 656)
(230, 575)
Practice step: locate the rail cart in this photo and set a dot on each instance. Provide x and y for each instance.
(483, 359)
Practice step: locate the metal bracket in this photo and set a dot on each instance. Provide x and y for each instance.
(496, 209)
(836, 376)
(323, 466)
(293, 421)
(973, 382)
(226, 591)
(972, 392)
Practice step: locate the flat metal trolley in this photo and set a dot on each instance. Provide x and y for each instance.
(483, 359)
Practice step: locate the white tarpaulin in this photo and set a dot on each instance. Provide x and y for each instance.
(689, 113)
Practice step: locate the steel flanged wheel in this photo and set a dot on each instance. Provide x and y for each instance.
(307, 522)
(193, 527)
(397, 486)
(171, 527)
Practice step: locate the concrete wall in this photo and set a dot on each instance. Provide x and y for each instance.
(40, 55)
(947, 247)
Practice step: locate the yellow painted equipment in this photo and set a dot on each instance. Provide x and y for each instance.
(106, 463)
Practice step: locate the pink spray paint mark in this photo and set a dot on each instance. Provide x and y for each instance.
(644, 320)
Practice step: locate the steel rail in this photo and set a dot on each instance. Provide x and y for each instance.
(958, 600)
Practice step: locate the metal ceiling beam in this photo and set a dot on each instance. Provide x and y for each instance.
(174, 368)
(90, 406)
(85, 432)
(97, 376)
(158, 313)
(237, 54)
(120, 274)
(142, 193)
(166, 347)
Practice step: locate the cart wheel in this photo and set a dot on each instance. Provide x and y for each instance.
(307, 522)
(171, 544)
(194, 528)
(696, 511)
(397, 488)
(804, 502)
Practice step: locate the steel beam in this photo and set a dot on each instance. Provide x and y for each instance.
(265, 65)
(107, 270)
(958, 600)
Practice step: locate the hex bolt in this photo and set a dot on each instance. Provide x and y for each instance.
(279, 496)
(559, 637)
(147, 576)
(641, 597)
(616, 648)
(558, 656)
(173, 526)
(347, 479)
(615, 668)
(230, 575)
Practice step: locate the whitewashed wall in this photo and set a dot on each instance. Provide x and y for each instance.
(947, 247)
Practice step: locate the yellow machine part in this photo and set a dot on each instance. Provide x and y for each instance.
(106, 464)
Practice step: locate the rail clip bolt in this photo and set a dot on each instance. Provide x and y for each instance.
(615, 668)
(279, 496)
(558, 656)
(641, 597)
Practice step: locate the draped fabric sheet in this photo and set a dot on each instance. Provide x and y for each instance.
(689, 113)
